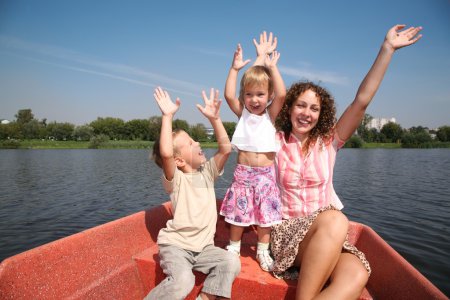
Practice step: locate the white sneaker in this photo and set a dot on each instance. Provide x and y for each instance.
(265, 260)
(233, 249)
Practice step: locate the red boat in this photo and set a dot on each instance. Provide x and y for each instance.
(119, 260)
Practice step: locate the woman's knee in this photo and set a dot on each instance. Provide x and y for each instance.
(349, 277)
(360, 277)
(333, 223)
(356, 283)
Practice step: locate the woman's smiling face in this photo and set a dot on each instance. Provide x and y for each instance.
(304, 113)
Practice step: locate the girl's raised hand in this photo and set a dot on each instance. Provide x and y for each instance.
(266, 44)
(166, 105)
(398, 39)
(272, 60)
(212, 105)
(238, 59)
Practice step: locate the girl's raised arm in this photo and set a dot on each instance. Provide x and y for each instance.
(230, 85)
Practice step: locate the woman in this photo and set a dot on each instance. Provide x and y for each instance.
(313, 234)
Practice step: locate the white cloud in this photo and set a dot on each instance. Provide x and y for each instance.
(97, 67)
(324, 76)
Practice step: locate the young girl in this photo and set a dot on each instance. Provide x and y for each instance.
(253, 198)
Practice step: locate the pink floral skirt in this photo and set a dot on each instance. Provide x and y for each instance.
(253, 198)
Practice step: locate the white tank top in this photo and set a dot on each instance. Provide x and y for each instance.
(254, 133)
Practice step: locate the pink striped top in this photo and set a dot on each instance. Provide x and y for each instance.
(306, 183)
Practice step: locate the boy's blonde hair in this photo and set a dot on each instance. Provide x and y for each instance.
(256, 75)
(156, 155)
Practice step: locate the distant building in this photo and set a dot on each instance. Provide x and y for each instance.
(3, 121)
(378, 123)
(209, 132)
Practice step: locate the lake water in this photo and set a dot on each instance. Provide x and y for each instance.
(403, 194)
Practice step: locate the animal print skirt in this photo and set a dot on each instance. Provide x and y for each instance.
(286, 237)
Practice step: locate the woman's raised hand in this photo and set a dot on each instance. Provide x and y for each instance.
(398, 38)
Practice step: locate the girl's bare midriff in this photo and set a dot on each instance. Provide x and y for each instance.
(253, 159)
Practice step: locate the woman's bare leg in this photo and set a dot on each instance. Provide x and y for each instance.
(347, 280)
(319, 252)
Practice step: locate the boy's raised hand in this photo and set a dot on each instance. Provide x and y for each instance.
(398, 39)
(167, 107)
(212, 105)
(238, 59)
(266, 45)
(272, 60)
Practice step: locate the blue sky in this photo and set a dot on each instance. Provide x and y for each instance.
(74, 61)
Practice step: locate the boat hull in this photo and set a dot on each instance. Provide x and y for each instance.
(119, 260)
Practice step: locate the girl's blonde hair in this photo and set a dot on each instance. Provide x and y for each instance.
(256, 75)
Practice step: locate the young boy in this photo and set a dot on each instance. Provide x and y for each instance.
(187, 242)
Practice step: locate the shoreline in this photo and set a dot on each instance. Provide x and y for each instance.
(138, 144)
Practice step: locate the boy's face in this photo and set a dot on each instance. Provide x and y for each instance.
(190, 151)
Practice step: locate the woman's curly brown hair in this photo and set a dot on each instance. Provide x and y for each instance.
(324, 128)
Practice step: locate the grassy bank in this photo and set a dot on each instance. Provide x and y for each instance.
(381, 145)
(49, 144)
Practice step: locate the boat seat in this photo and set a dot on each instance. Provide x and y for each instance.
(251, 283)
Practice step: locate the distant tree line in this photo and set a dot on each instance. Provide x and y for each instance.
(414, 137)
(26, 126)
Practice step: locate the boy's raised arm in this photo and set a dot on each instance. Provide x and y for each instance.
(168, 110)
(211, 111)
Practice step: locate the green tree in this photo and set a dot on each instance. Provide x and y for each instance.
(362, 129)
(230, 127)
(83, 133)
(418, 129)
(181, 124)
(392, 131)
(137, 129)
(32, 129)
(373, 136)
(154, 128)
(24, 116)
(417, 137)
(10, 131)
(354, 142)
(416, 140)
(443, 134)
(114, 128)
(198, 132)
(60, 131)
(29, 127)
